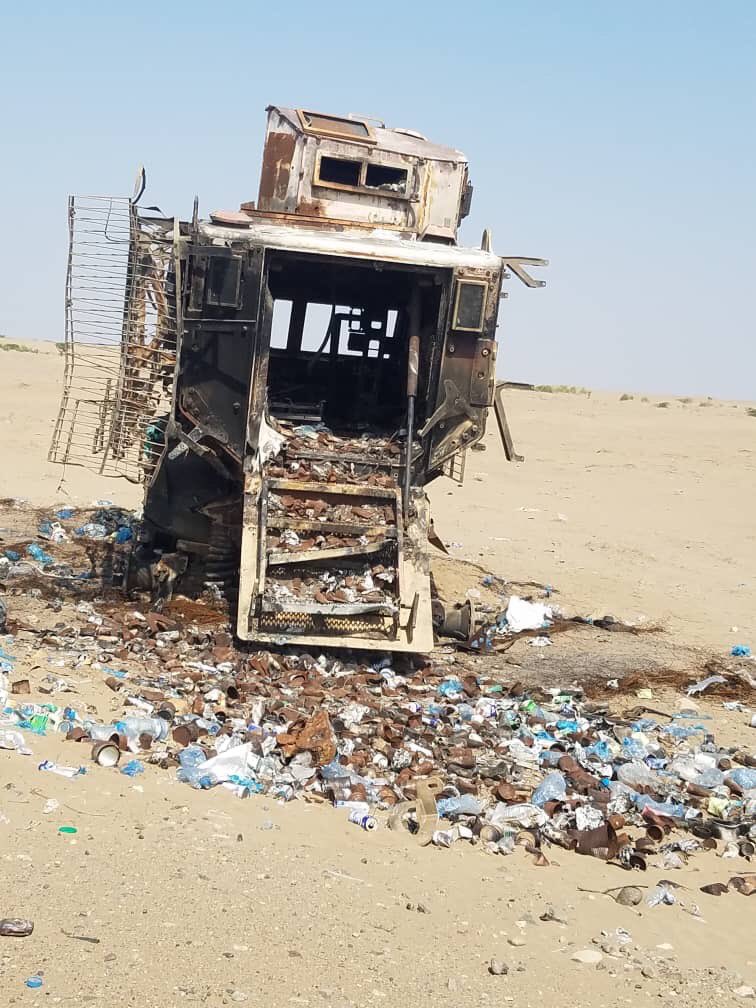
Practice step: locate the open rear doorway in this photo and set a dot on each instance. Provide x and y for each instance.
(339, 340)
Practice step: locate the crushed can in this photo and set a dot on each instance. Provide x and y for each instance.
(366, 822)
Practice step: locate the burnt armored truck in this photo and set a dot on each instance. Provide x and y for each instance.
(288, 378)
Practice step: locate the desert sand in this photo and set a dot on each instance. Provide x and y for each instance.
(199, 898)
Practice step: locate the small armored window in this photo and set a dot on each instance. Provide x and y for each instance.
(336, 126)
(223, 282)
(470, 305)
(387, 178)
(339, 171)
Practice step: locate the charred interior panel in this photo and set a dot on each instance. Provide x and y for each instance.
(334, 352)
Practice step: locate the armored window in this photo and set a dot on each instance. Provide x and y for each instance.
(385, 177)
(355, 174)
(223, 281)
(339, 171)
(470, 305)
(336, 126)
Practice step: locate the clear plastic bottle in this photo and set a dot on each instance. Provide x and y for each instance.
(634, 749)
(743, 778)
(192, 760)
(552, 788)
(710, 778)
(133, 727)
(100, 732)
(637, 776)
(672, 809)
(191, 757)
(463, 805)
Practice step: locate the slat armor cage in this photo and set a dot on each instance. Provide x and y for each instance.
(120, 338)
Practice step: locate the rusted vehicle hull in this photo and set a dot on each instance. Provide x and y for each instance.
(290, 377)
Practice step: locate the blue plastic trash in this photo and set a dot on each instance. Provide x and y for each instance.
(37, 553)
(132, 768)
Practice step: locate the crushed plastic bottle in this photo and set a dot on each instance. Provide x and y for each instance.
(92, 530)
(191, 757)
(134, 727)
(14, 740)
(662, 894)
(675, 810)
(552, 788)
(62, 771)
(449, 687)
(634, 748)
(448, 808)
(742, 777)
(637, 776)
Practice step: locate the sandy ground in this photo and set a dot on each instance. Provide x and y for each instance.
(198, 897)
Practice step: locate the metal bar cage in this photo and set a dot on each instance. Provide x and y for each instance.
(121, 336)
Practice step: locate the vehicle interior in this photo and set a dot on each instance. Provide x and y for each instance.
(339, 335)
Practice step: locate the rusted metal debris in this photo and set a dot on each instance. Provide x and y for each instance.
(417, 740)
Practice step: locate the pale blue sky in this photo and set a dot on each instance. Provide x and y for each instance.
(615, 140)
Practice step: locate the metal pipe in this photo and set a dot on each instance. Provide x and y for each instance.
(413, 365)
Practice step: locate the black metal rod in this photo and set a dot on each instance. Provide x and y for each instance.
(408, 452)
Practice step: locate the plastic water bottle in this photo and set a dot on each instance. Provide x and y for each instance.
(552, 788)
(464, 805)
(100, 732)
(634, 749)
(133, 727)
(710, 778)
(637, 776)
(672, 809)
(743, 778)
(192, 760)
(191, 757)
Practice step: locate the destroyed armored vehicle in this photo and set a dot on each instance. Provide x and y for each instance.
(288, 378)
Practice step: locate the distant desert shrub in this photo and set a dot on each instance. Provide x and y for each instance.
(705, 402)
(645, 399)
(570, 389)
(686, 401)
(17, 347)
(626, 397)
(662, 405)
(751, 411)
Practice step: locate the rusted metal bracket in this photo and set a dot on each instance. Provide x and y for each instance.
(454, 404)
(501, 419)
(515, 264)
(412, 618)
